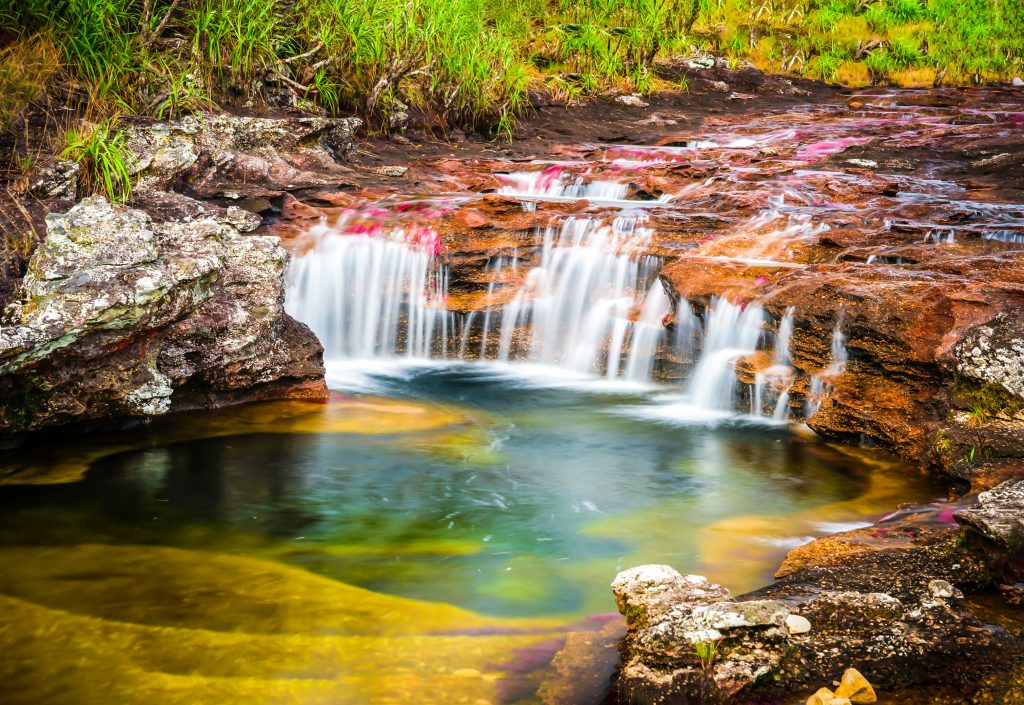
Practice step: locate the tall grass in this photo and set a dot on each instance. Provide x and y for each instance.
(469, 63)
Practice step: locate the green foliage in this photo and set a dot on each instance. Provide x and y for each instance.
(103, 158)
(706, 652)
(25, 67)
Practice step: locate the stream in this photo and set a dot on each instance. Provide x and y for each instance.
(518, 412)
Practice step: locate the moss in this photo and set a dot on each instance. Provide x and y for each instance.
(987, 400)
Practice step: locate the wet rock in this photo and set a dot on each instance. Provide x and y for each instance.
(120, 317)
(235, 157)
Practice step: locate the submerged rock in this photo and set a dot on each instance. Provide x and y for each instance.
(120, 317)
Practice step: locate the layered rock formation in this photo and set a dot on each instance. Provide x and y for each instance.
(120, 317)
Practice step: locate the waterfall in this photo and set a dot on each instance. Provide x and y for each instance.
(773, 383)
(575, 308)
(552, 184)
(370, 296)
(731, 332)
(821, 383)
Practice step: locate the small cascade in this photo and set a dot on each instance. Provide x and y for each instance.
(821, 383)
(772, 385)
(371, 295)
(687, 333)
(575, 309)
(553, 184)
(731, 331)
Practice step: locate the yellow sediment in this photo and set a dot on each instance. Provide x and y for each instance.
(132, 624)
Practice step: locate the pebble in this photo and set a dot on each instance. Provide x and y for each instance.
(797, 624)
(391, 170)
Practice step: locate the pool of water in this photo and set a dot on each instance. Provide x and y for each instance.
(435, 540)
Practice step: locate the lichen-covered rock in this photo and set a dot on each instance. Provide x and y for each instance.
(120, 317)
(993, 353)
(687, 639)
(998, 520)
(231, 156)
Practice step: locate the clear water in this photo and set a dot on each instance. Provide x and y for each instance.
(507, 506)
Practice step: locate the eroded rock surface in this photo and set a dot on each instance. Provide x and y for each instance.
(120, 317)
(236, 157)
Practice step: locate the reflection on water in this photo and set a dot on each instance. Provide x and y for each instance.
(295, 544)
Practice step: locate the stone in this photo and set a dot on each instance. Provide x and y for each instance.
(1017, 81)
(668, 616)
(229, 156)
(797, 624)
(122, 318)
(863, 163)
(999, 516)
(993, 353)
(942, 589)
(823, 696)
(391, 170)
(839, 701)
(855, 688)
(634, 101)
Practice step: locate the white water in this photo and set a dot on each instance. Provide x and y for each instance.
(369, 296)
(552, 185)
(574, 310)
(731, 332)
(821, 383)
(772, 385)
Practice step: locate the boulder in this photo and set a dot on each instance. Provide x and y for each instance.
(688, 639)
(122, 318)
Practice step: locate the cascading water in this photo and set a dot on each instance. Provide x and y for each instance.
(772, 385)
(821, 383)
(731, 332)
(371, 295)
(575, 308)
(552, 184)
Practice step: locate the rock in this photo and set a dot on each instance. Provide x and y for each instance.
(120, 317)
(993, 353)
(997, 524)
(390, 170)
(999, 516)
(943, 590)
(234, 157)
(634, 101)
(855, 688)
(823, 696)
(669, 617)
(1017, 81)
(863, 163)
(839, 701)
(797, 624)
(56, 180)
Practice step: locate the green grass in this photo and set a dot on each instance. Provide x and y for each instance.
(470, 63)
(103, 158)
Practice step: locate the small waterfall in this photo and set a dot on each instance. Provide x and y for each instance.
(371, 295)
(773, 384)
(821, 383)
(552, 184)
(575, 308)
(731, 332)
(687, 333)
